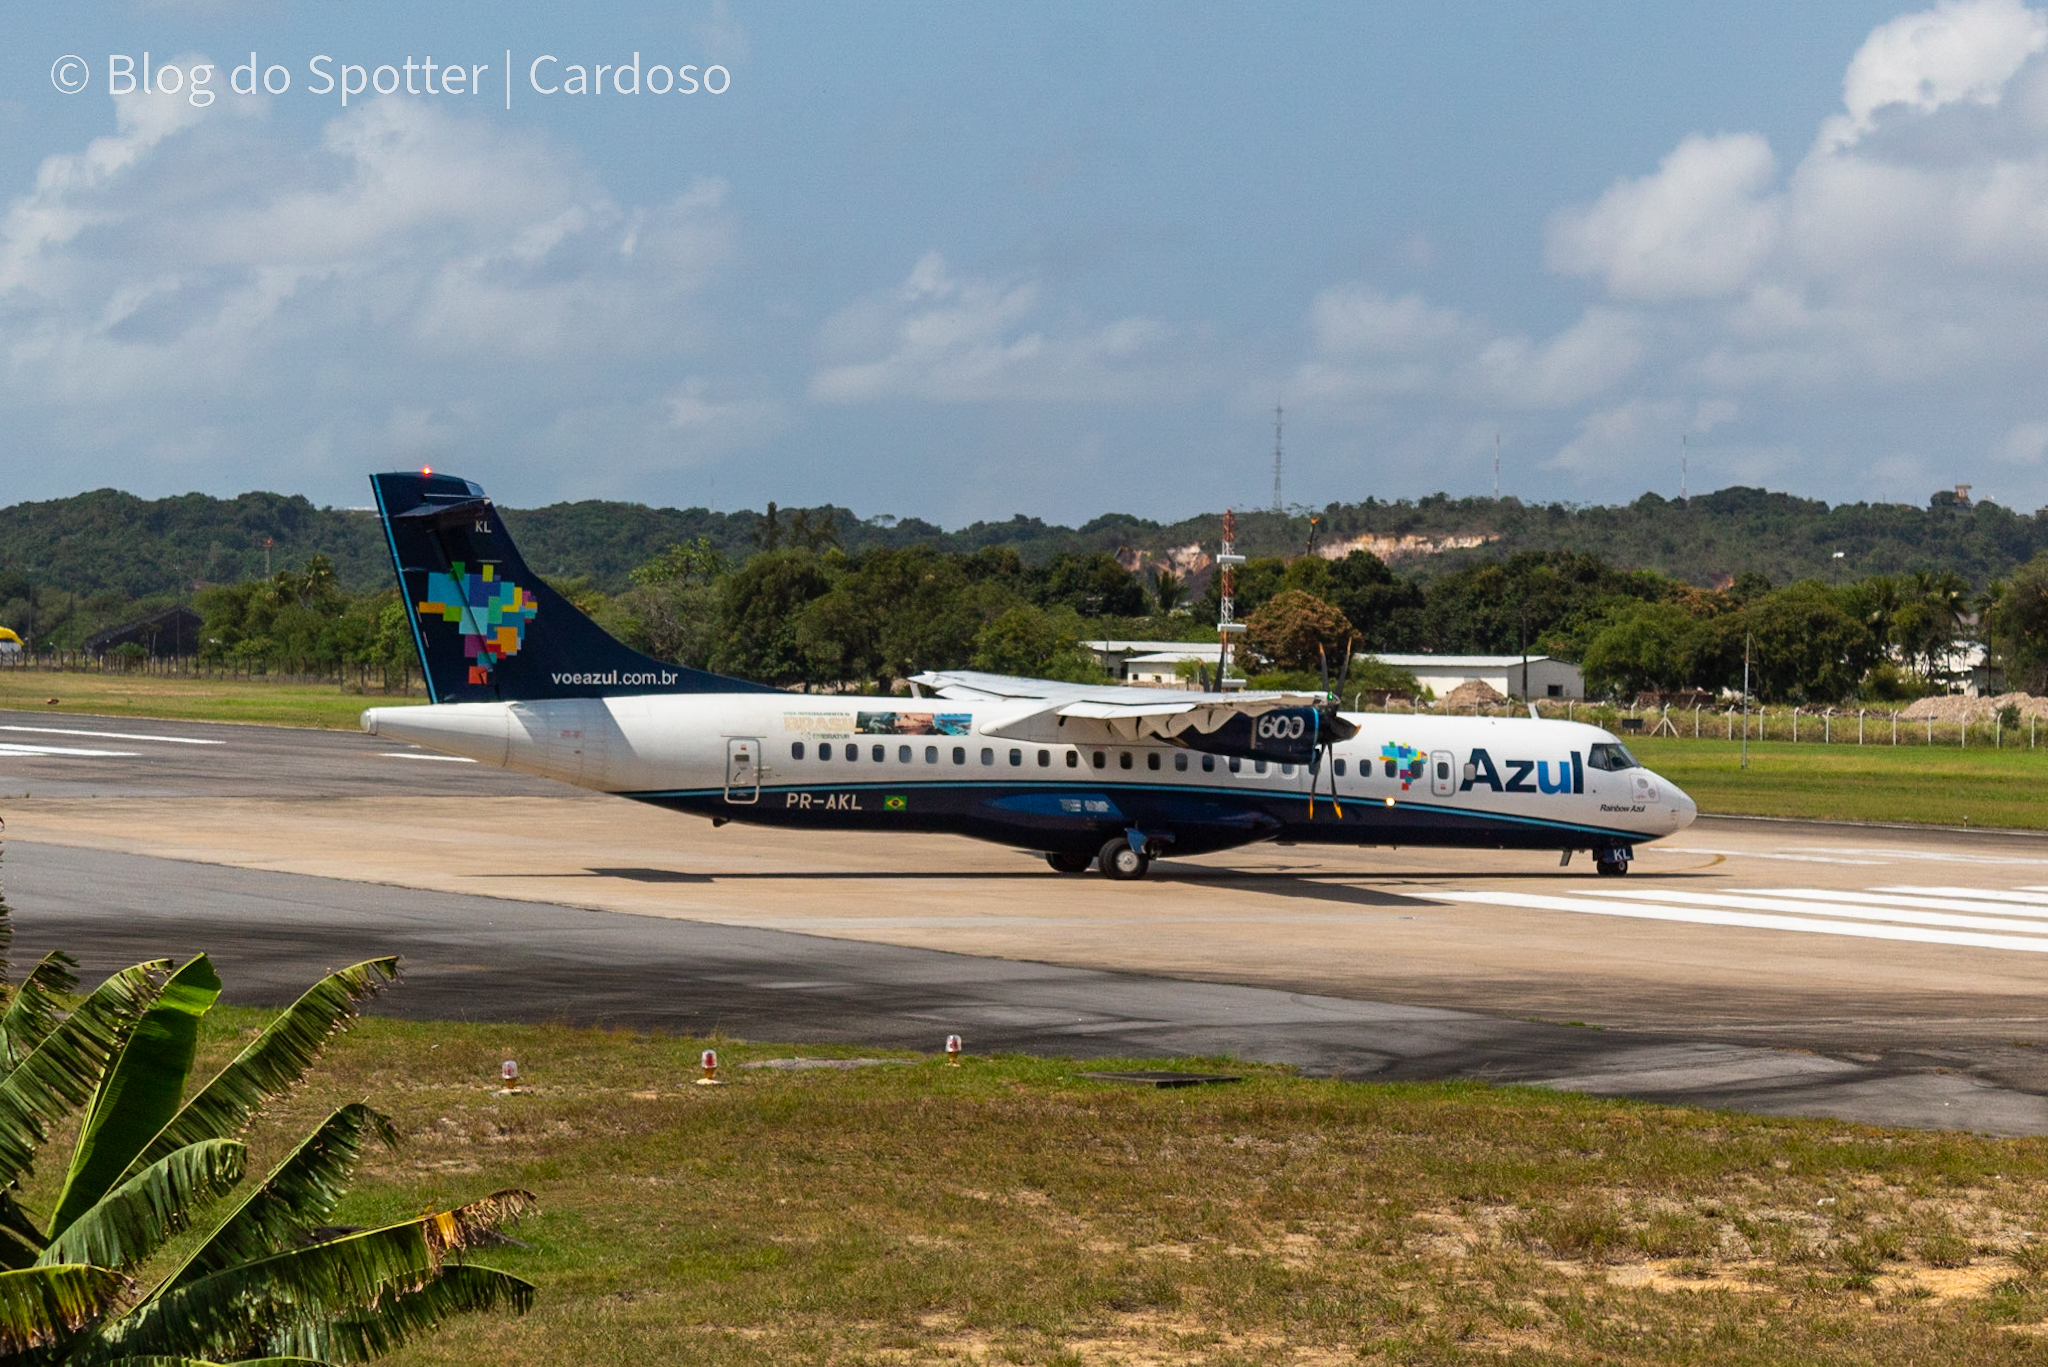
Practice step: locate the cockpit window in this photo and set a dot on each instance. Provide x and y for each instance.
(1611, 757)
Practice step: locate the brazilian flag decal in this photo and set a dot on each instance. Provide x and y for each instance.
(895, 804)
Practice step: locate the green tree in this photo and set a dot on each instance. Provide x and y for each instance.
(1093, 584)
(1037, 644)
(758, 606)
(1167, 591)
(1385, 610)
(894, 612)
(671, 610)
(2016, 625)
(149, 1162)
(1297, 630)
(1804, 646)
(1644, 646)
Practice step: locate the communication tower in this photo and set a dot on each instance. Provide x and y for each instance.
(1227, 625)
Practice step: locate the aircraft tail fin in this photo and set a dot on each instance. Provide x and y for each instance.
(488, 628)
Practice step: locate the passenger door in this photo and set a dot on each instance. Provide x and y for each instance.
(1443, 773)
(742, 769)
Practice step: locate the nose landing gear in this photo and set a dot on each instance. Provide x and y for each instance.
(1613, 863)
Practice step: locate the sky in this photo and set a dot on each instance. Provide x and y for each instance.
(961, 261)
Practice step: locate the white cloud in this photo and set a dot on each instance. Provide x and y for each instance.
(2023, 444)
(1961, 51)
(951, 340)
(1696, 229)
(199, 278)
(1884, 294)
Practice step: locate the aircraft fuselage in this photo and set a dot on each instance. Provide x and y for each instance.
(992, 771)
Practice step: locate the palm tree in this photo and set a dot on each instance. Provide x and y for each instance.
(269, 1283)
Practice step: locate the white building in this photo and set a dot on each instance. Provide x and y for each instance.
(1537, 677)
(1118, 656)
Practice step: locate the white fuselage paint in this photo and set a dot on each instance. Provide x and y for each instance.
(675, 744)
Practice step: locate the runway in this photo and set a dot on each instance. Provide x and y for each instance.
(1882, 975)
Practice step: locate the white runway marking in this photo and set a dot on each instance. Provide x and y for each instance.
(7, 748)
(407, 754)
(1849, 854)
(1801, 911)
(113, 735)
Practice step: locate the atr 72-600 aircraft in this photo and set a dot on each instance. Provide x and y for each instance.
(1107, 777)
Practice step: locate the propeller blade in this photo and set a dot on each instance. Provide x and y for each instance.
(1323, 657)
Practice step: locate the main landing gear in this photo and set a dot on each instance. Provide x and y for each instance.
(1121, 862)
(1070, 863)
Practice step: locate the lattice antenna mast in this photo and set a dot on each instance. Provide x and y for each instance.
(1227, 625)
(1277, 415)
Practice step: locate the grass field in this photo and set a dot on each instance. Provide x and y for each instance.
(142, 695)
(1010, 1211)
(1937, 785)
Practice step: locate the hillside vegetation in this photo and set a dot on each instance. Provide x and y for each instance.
(111, 542)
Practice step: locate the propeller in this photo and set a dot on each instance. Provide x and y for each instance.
(1330, 704)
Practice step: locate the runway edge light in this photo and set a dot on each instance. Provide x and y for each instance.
(508, 1072)
(953, 1050)
(710, 1078)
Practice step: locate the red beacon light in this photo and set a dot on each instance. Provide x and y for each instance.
(710, 1078)
(953, 1051)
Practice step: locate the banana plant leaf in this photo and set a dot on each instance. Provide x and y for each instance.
(274, 1061)
(403, 1316)
(138, 1095)
(355, 1276)
(133, 1220)
(39, 1305)
(63, 1071)
(36, 1008)
(297, 1197)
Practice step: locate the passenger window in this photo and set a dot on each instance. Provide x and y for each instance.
(1045, 759)
(852, 752)
(1391, 766)
(1016, 758)
(878, 754)
(824, 749)
(1208, 764)
(1152, 760)
(988, 756)
(1443, 768)
(1101, 760)
(931, 754)
(1287, 771)
(1236, 765)
(1073, 759)
(903, 754)
(959, 754)
(1340, 768)
(1123, 759)
(796, 750)
(1180, 761)
(1258, 766)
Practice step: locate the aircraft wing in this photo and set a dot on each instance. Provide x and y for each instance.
(1109, 713)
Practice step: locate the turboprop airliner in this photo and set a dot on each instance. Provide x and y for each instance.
(1104, 777)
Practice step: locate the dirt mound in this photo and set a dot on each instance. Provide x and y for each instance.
(1955, 708)
(1472, 695)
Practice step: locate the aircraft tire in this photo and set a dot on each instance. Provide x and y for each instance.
(1611, 868)
(1063, 862)
(1119, 861)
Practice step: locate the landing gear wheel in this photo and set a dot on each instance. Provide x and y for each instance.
(1121, 862)
(1611, 868)
(1069, 863)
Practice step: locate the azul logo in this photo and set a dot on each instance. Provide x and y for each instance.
(1569, 777)
(1404, 762)
(492, 614)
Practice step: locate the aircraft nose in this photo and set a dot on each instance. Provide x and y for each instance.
(1680, 804)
